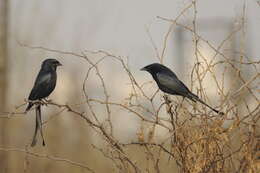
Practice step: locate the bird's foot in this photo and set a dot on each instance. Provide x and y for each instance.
(47, 101)
(167, 99)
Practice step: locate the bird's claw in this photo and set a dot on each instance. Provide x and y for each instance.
(46, 101)
(167, 99)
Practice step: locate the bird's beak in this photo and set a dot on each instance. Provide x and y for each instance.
(143, 69)
(59, 64)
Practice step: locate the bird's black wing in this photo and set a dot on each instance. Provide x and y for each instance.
(43, 86)
(169, 83)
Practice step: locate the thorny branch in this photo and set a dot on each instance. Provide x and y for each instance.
(49, 157)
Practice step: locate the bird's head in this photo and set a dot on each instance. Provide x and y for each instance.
(153, 68)
(50, 64)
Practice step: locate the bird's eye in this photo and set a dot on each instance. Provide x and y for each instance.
(56, 63)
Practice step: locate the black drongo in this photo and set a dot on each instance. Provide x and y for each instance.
(169, 83)
(43, 86)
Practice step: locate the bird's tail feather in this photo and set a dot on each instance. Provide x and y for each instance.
(37, 110)
(192, 97)
(43, 142)
(195, 98)
(38, 126)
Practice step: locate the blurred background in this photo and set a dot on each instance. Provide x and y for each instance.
(121, 27)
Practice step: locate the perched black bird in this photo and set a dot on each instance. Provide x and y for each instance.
(43, 86)
(169, 83)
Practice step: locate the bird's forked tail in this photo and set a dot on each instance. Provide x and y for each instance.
(38, 126)
(195, 98)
